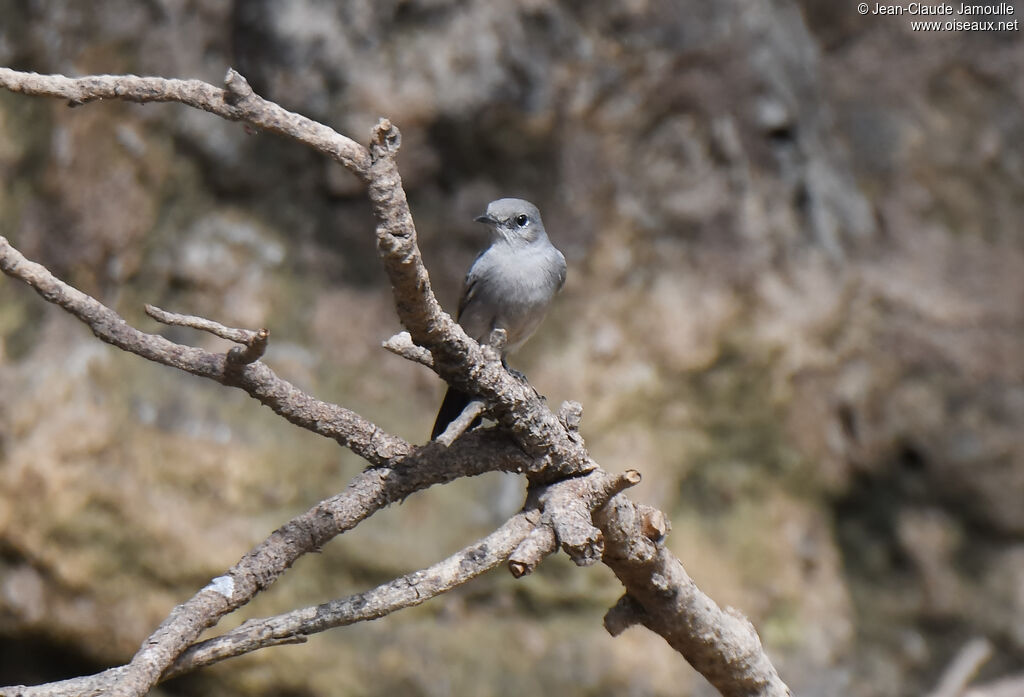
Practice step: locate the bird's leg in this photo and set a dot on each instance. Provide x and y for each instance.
(521, 377)
(497, 341)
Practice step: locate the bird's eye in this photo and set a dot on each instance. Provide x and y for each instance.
(522, 220)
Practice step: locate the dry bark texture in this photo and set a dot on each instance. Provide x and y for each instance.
(568, 487)
(795, 303)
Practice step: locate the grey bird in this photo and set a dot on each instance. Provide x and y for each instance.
(509, 286)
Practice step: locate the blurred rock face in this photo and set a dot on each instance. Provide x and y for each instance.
(795, 302)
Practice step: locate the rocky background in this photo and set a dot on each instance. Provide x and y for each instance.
(795, 303)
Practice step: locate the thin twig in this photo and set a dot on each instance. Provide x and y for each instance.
(254, 341)
(401, 345)
(239, 336)
(461, 423)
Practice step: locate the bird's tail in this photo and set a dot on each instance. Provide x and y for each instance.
(454, 402)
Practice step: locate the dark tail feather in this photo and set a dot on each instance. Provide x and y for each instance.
(454, 402)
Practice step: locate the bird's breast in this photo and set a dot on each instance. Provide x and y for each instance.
(512, 292)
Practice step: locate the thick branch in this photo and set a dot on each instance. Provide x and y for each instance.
(457, 358)
(721, 644)
(568, 505)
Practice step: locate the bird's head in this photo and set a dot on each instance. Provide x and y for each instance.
(514, 221)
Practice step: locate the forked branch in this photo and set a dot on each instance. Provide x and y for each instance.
(253, 341)
(570, 490)
(409, 590)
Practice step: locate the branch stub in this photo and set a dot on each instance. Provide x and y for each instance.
(385, 139)
(236, 87)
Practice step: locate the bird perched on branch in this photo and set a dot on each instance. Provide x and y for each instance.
(509, 286)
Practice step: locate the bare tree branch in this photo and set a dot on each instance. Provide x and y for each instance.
(368, 492)
(540, 543)
(255, 341)
(401, 345)
(239, 336)
(406, 591)
(85, 686)
(236, 102)
(1010, 686)
(413, 589)
(722, 645)
(515, 406)
(461, 423)
(968, 661)
(457, 358)
(346, 427)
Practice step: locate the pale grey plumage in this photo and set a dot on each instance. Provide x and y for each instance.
(511, 283)
(509, 286)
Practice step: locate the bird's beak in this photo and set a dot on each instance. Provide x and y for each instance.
(485, 219)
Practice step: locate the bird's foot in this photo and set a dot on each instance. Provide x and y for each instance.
(521, 377)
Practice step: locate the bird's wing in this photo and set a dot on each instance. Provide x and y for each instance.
(468, 291)
(555, 270)
(470, 286)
